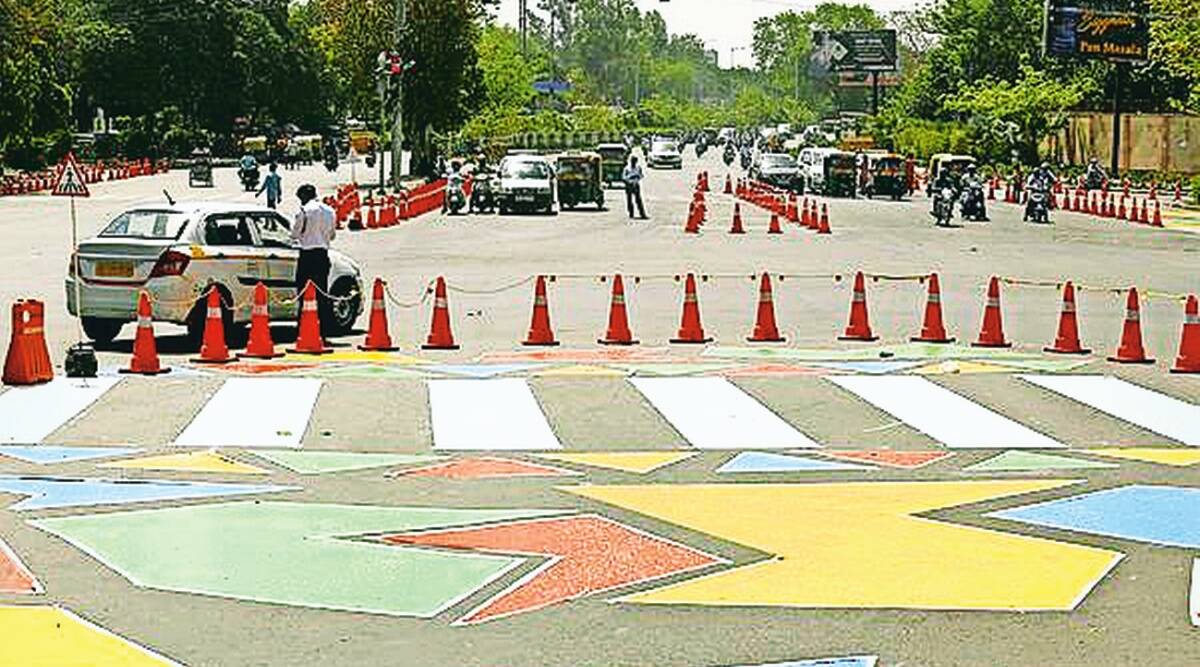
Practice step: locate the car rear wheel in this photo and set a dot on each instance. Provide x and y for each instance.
(346, 306)
(102, 331)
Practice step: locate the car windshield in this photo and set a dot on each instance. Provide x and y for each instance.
(663, 147)
(146, 224)
(779, 162)
(523, 169)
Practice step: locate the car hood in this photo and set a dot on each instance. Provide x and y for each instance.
(525, 183)
(780, 171)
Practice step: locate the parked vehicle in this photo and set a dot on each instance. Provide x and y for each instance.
(580, 180)
(841, 175)
(887, 176)
(613, 159)
(525, 182)
(176, 252)
(780, 170)
(812, 166)
(664, 154)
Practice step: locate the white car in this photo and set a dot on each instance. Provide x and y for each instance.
(664, 154)
(176, 251)
(525, 182)
(812, 166)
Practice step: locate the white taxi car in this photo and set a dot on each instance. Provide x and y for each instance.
(664, 154)
(176, 251)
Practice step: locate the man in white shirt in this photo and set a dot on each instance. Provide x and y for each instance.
(313, 230)
(633, 188)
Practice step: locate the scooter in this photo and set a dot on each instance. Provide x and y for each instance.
(943, 206)
(456, 198)
(729, 155)
(249, 178)
(483, 198)
(747, 160)
(1037, 210)
(972, 203)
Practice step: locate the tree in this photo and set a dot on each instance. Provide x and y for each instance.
(1176, 41)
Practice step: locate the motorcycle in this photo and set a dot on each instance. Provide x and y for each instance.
(701, 149)
(456, 197)
(747, 159)
(1037, 209)
(943, 206)
(729, 155)
(249, 178)
(972, 205)
(483, 198)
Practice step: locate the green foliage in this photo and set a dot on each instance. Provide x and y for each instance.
(923, 138)
(1176, 41)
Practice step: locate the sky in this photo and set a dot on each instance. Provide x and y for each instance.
(724, 25)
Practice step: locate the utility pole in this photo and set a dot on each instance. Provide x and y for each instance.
(1118, 69)
(523, 22)
(398, 118)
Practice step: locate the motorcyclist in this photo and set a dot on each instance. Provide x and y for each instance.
(973, 199)
(248, 171)
(1040, 181)
(730, 153)
(1095, 177)
(454, 184)
(945, 179)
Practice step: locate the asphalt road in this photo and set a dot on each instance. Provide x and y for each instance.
(1138, 615)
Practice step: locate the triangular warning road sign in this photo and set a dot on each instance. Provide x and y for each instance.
(70, 182)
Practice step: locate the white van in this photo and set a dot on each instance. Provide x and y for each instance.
(812, 166)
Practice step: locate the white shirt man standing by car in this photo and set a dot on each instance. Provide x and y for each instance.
(313, 231)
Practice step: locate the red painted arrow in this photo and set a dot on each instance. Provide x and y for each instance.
(588, 554)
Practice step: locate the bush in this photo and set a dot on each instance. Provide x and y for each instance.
(1195, 187)
(923, 138)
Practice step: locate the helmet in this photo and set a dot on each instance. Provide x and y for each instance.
(971, 169)
(1045, 166)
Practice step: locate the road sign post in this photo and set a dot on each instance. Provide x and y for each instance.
(69, 182)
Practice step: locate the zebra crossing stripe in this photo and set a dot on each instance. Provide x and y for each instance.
(254, 412)
(943, 415)
(488, 415)
(1129, 402)
(28, 415)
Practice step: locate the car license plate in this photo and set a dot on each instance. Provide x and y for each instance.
(525, 198)
(110, 269)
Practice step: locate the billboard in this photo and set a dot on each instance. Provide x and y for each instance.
(854, 51)
(1097, 29)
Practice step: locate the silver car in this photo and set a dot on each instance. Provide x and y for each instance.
(176, 251)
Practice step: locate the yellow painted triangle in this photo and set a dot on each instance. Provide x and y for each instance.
(636, 462)
(954, 367)
(359, 357)
(1166, 456)
(581, 370)
(204, 461)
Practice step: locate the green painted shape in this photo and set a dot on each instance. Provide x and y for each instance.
(950, 351)
(1025, 461)
(1044, 365)
(319, 463)
(364, 371)
(674, 370)
(719, 352)
(292, 553)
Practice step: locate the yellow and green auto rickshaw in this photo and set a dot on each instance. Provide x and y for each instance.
(956, 165)
(580, 180)
(888, 177)
(841, 175)
(613, 158)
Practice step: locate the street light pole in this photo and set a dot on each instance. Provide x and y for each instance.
(398, 117)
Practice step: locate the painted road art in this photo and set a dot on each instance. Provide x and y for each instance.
(52, 636)
(307, 462)
(1164, 515)
(640, 463)
(486, 467)
(585, 555)
(245, 543)
(15, 578)
(860, 545)
(1025, 461)
(888, 457)
(51, 454)
(54, 492)
(759, 462)
(1176, 456)
(204, 462)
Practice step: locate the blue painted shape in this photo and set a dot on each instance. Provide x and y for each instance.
(870, 367)
(48, 454)
(479, 370)
(764, 462)
(849, 661)
(51, 492)
(1164, 515)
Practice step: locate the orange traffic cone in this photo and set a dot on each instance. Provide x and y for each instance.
(378, 337)
(1189, 344)
(737, 220)
(690, 329)
(618, 318)
(145, 352)
(372, 218)
(823, 225)
(804, 220)
(1145, 217)
(260, 345)
(774, 228)
(440, 335)
(1067, 341)
(933, 330)
(1131, 350)
(765, 330)
(992, 332)
(693, 219)
(540, 333)
(860, 324)
(28, 360)
(1157, 221)
(213, 350)
(308, 338)
(728, 184)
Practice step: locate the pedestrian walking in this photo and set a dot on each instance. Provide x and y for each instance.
(273, 186)
(313, 230)
(633, 188)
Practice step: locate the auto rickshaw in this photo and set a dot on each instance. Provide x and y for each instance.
(841, 173)
(613, 158)
(580, 180)
(200, 171)
(887, 176)
(955, 164)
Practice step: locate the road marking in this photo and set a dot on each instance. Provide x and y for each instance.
(760, 462)
(1148, 409)
(29, 414)
(55, 492)
(1027, 461)
(199, 461)
(254, 412)
(15, 577)
(50, 454)
(1194, 597)
(641, 463)
(36, 635)
(943, 415)
(712, 413)
(476, 415)
(320, 463)
(1162, 515)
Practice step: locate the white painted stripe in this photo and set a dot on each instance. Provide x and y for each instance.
(29, 414)
(712, 413)
(1194, 597)
(1148, 409)
(498, 414)
(943, 415)
(254, 412)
